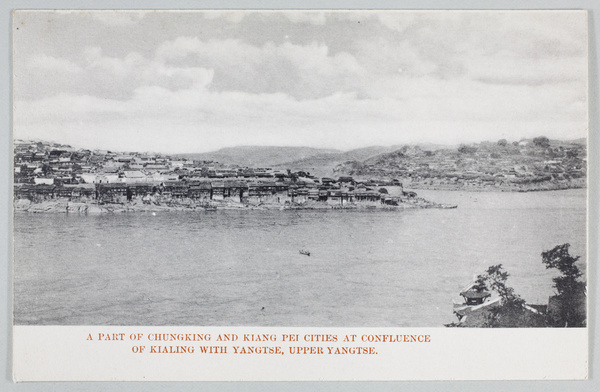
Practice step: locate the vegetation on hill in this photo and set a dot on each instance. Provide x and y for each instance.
(535, 164)
(538, 164)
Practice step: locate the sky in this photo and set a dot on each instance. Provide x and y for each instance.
(197, 81)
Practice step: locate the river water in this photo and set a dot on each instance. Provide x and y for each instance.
(366, 268)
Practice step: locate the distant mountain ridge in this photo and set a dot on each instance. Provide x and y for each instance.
(258, 156)
(360, 154)
(323, 164)
(318, 161)
(330, 162)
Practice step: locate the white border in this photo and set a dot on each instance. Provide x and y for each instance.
(593, 153)
(125, 353)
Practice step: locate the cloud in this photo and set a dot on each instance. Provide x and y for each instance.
(506, 68)
(229, 16)
(397, 21)
(114, 18)
(45, 63)
(104, 76)
(453, 44)
(158, 118)
(401, 77)
(303, 71)
(312, 17)
(297, 17)
(495, 48)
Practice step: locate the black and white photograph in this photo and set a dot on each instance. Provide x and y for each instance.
(300, 168)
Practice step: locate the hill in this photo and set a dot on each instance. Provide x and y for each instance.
(536, 164)
(324, 164)
(258, 156)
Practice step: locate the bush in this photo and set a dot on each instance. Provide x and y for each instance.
(464, 149)
(565, 309)
(572, 153)
(511, 312)
(541, 141)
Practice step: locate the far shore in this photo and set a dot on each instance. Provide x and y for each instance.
(506, 187)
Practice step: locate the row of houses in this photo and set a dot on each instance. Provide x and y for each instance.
(43, 162)
(51, 164)
(239, 191)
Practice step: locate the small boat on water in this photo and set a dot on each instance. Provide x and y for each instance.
(304, 252)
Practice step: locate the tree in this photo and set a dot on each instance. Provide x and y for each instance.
(541, 141)
(46, 169)
(494, 279)
(511, 311)
(572, 153)
(502, 142)
(383, 191)
(511, 305)
(568, 307)
(464, 149)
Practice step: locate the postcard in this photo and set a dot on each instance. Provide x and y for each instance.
(300, 195)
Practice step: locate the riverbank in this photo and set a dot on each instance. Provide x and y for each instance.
(93, 208)
(252, 258)
(579, 183)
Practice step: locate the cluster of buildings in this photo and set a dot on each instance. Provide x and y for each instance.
(486, 164)
(49, 171)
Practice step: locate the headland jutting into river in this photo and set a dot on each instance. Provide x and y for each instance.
(208, 196)
(52, 177)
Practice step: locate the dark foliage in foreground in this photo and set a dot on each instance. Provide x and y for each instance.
(565, 309)
(568, 307)
(511, 312)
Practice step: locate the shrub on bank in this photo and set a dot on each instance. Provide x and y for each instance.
(567, 308)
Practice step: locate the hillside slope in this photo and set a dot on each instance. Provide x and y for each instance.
(257, 156)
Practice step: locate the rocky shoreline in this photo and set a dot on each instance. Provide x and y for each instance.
(93, 208)
(508, 187)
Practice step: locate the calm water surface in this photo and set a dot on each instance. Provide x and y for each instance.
(367, 268)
